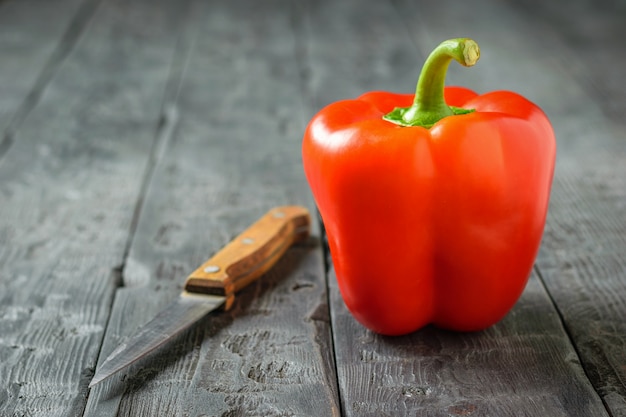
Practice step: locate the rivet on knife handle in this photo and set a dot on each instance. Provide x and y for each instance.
(250, 254)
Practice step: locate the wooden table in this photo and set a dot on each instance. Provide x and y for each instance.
(138, 137)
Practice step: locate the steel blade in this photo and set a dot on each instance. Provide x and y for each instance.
(175, 318)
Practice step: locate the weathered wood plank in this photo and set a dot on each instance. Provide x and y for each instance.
(35, 36)
(234, 154)
(584, 267)
(583, 262)
(346, 52)
(509, 369)
(593, 32)
(68, 189)
(523, 366)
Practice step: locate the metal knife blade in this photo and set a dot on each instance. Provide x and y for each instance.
(214, 283)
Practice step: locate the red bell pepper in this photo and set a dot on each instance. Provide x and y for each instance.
(434, 204)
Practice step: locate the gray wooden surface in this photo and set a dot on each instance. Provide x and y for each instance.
(139, 136)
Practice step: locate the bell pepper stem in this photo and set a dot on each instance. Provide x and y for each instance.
(429, 105)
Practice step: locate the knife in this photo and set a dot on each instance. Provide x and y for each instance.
(215, 283)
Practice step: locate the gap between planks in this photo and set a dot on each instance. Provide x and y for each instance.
(72, 34)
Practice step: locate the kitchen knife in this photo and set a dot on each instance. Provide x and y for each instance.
(215, 283)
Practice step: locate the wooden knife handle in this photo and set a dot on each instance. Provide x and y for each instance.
(250, 254)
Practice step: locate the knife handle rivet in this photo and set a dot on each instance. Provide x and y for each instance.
(209, 269)
(247, 241)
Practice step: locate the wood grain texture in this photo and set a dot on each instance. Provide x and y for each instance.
(584, 267)
(593, 32)
(35, 36)
(522, 366)
(233, 154)
(68, 189)
(251, 254)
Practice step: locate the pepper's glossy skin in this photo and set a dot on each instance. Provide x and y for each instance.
(438, 225)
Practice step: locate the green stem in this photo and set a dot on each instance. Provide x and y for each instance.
(429, 105)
